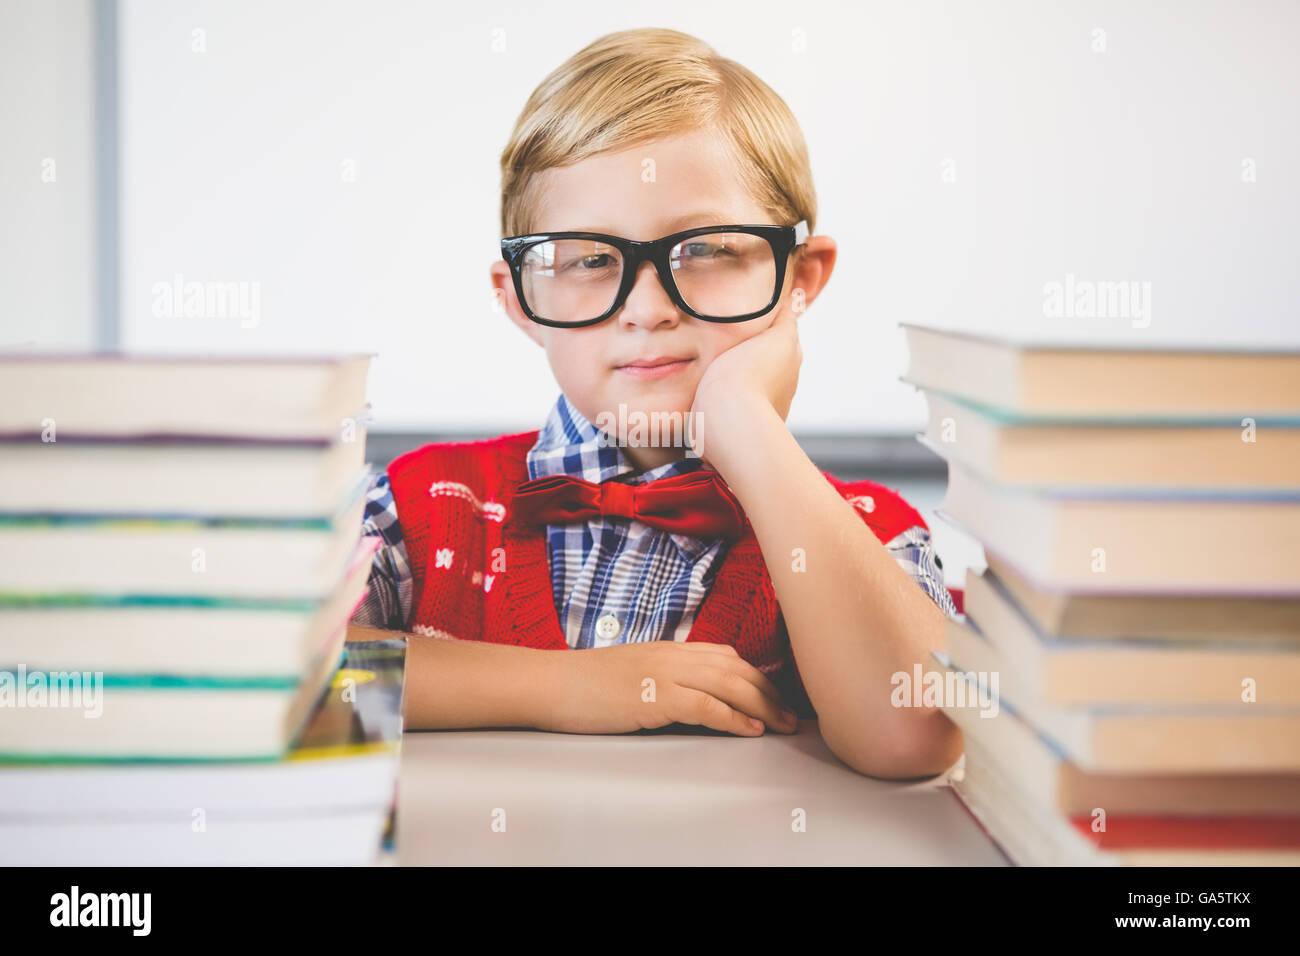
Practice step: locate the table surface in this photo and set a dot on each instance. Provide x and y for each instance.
(656, 798)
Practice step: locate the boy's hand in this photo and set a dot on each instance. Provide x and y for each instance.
(764, 368)
(627, 687)
(759, 372)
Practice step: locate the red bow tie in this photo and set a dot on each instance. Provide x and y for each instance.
(697, 503)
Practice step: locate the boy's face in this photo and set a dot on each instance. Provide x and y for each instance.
(694, 184)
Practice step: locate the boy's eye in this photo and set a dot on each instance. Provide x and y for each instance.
(703, 248)
(711, 249)
(584, 257)
(588, 266)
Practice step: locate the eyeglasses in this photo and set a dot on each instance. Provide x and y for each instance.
(715, 273)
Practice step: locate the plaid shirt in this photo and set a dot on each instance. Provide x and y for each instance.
(651, 582)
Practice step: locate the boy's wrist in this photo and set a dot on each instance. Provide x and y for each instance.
(728, 427)
(550, 689)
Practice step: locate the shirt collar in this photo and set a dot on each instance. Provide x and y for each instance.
(569, 444)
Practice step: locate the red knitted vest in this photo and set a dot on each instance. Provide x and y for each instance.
(478, 575)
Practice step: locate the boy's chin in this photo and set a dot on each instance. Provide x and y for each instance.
(647, 423)
(633, 407)
(651, 398)
(628, 408)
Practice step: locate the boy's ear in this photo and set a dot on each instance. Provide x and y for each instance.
(812, 266)
(504, 289)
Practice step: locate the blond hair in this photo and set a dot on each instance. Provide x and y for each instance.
(637, 85)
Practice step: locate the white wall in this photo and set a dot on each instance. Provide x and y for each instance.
(1115, 164)
(47, 174)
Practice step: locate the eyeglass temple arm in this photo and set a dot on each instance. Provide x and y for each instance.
(800, 232)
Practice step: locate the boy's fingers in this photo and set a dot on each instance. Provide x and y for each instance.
(740, 691)
(704, 710)
(756, 677)
(733, 661)
(726, 649)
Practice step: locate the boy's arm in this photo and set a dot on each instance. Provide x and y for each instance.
(449, 684)
(454, 685)
(854, 616)
(461, 684)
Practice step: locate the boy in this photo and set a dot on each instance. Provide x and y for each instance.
(693, 573)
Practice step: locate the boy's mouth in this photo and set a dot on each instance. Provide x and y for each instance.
(656, 366)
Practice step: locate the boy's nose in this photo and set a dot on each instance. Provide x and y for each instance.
(648, 304)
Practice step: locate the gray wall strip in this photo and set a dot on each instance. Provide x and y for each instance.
(108, 321)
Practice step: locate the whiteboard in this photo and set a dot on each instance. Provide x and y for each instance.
(965, 156)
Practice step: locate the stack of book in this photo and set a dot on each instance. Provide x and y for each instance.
(1127, 673)
(330, 801)
(180, 552)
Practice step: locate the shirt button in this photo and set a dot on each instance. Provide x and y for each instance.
(607, 627)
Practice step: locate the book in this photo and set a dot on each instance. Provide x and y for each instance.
(1149, 617)
(1043, 775)
(85, 715)
(1030, 835)
(332, 838)
(1026, 837)
(1134, 544)
(54, 396)
(330, 801)
(181, 479)
(207, 557)
(1151, 833)
(199, 637)
(1087, 454)
(1227, 738)
(1057, 380)
(1079, 671)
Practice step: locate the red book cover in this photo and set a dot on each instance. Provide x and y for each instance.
(1193, 833)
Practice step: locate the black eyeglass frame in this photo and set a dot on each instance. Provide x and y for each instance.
(783, 240)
